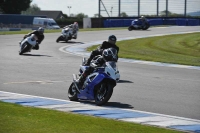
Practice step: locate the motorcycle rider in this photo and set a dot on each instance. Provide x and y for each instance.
(143, 20)
(111, 43)
(75, 29)
(40, 35)
(109, 54)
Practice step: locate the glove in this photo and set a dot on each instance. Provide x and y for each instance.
(93, 65)
(25, 36)
(100, 50)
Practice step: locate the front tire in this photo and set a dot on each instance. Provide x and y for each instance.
(130, 28)
(59, 39)
(24, 48)
(72, 93)
(103, 93)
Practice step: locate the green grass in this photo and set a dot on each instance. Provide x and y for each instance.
(56, 30)
(178, 49)
(20, 119)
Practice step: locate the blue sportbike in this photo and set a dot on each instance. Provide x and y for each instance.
(98, 86)
(137, 24)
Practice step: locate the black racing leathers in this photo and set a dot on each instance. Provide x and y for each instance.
(104, 45)
(39, 36)
(97, 60)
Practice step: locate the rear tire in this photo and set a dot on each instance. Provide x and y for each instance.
(146, 27)
(72, 93)
(103, 93)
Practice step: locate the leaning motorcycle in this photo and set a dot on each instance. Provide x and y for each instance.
(27, 44)
(84, 60)
(66, 34)
(98, 86)
(138, 25)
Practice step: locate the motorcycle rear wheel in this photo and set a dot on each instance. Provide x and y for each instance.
(146, 27)
(103, 93)
(72, 93)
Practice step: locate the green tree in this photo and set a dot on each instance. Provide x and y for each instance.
(123, 14)
(31, 10)
(97, 15)
(65, 15)
(14, 6)
(164, 13)
(81, 16)
(72, 15)
(170, 14)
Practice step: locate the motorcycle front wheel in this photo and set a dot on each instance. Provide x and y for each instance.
(130, 28)
(24, 48)
(103, 93)
(72, 93)
(59, 39)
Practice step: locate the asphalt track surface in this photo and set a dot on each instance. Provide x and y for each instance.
(48, 73)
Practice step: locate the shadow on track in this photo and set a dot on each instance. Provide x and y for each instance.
(118, 105)
(35, 55)
(124, 81)
(72, 42)
(141, 30)
(109, 104)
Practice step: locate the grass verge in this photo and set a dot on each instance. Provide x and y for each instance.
(20, 119)
(57, 30)
(178, 49)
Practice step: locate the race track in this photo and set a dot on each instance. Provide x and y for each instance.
(48, 73)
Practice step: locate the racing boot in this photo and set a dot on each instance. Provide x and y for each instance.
(74, 36)
(36, 47)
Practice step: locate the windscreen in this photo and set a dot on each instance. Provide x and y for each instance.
(112, 64)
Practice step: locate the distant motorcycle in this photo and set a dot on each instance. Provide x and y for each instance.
(65, 35)
(98, 85)
(138, 25)
(27, 44)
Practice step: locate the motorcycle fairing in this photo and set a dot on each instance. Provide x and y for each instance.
(66, 33)
(29, 40)
(83, 68)
(90, 83)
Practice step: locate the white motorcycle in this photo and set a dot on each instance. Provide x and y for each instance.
(27, 44)
(66, 34)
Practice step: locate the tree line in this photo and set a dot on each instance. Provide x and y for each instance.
(26, 8)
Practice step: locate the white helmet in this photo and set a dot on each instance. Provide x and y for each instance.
(142, 17)
(75, 25)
